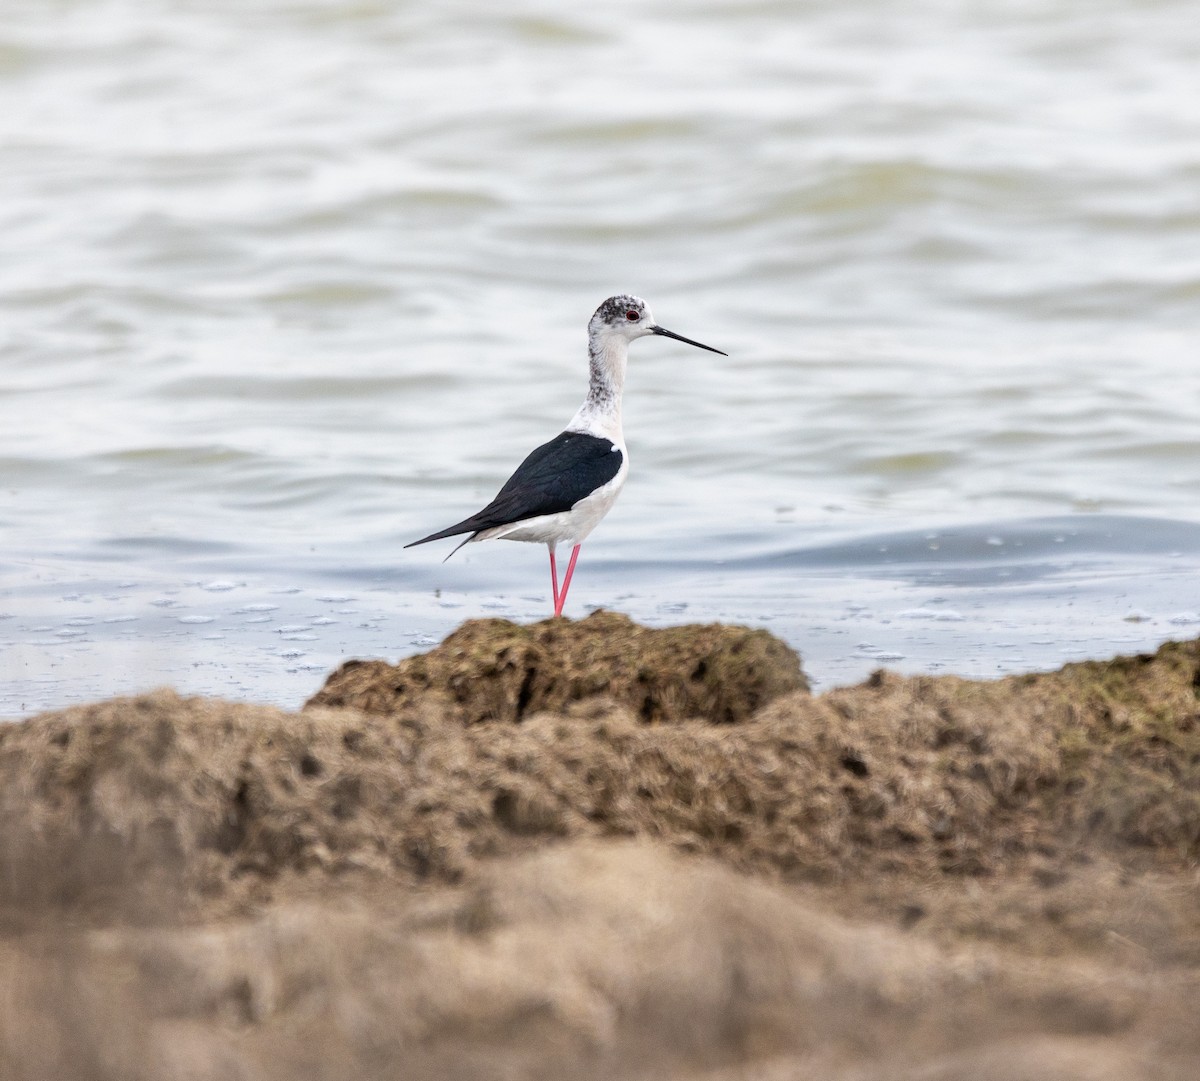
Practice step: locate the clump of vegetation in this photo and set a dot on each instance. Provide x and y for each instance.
(495, 670)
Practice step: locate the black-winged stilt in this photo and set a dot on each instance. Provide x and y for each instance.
(561, 491)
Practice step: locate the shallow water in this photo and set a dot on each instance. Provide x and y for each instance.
(283, 289)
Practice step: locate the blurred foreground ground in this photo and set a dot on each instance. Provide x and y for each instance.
(593, 850)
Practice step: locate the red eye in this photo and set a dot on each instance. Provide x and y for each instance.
(632, 315)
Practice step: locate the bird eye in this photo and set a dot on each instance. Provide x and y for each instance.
(632, 315)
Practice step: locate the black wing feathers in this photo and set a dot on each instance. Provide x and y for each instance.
(552, 479)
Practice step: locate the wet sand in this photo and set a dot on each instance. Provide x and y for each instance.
(590, 849)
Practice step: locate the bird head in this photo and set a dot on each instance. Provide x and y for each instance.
(629, 317)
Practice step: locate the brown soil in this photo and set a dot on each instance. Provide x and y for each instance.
(494, 670)
(585, 850)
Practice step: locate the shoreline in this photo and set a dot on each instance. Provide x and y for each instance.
(590, 848)
(945, 600)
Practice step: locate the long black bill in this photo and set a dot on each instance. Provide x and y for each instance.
(680, 338)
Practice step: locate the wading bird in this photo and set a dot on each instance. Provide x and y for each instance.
(561, 491)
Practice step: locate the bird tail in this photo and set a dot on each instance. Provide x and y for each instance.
(459, 545)
(449, 531)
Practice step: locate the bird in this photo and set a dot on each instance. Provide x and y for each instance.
(563, 488)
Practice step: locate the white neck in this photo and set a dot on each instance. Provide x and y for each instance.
(600, 413)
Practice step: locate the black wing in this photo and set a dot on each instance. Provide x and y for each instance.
(554, 477)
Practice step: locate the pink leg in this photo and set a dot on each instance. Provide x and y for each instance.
(554, 578)
(562, 597)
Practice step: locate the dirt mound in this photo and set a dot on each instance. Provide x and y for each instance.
(591, 960)
(494, 670)
(913, 878)
(918, 777)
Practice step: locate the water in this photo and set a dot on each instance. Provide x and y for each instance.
(284, 287)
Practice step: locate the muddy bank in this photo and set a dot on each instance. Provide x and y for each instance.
(595, 850)
(494, 670)
(580, 960)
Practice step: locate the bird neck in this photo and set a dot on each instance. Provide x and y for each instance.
(600, 413)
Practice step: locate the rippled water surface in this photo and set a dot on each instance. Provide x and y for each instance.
(285, 285)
